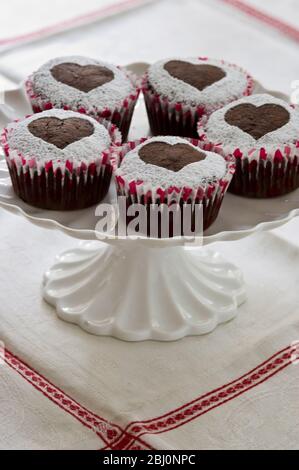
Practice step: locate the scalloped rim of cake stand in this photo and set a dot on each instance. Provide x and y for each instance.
(85, 234)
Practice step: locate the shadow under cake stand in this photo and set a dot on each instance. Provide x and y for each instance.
(144, 289)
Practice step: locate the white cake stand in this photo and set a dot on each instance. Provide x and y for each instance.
(145, 288)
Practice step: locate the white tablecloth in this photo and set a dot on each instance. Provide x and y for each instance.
(236, 388)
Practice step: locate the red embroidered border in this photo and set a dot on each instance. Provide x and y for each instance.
(281, 26)
(129, 438)
(285, 28)
(107, 431)
(73, 22)
(213, 399)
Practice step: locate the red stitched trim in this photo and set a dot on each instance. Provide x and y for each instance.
(129, 438)
(107, 431)
(77, 21)
(282, 26)
(213, 399)
(220, 388)
(101, 13)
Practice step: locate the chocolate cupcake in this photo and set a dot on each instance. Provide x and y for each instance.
(92, 87)
(179, 91)
(262, 134)
(171, 170)
(60, 160)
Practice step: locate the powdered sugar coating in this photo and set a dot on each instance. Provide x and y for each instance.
(209, 170)
(22, 141)
(229, 88)
(230, 138)
(110, 95)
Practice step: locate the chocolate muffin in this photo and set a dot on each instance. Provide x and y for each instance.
(179, 91)
(96, 88)
(261, 132)
(173, 171)
(60, 160)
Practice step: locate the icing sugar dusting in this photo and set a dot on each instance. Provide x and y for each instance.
(87, 149)
(229, 88)
(110, 95)
(217, 130)
(211, 169)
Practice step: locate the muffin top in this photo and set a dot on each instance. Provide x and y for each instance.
(253, 122)
(77, 81)
(199, 81)
(171, 161)
(57, 136)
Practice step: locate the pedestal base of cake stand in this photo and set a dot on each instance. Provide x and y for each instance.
(134, 292)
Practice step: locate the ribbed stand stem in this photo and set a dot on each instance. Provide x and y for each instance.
(136, 293)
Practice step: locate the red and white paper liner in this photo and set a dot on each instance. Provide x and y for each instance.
(168, 117)
(62, 185)
(121, 116)
(260, 172)
(210, 196)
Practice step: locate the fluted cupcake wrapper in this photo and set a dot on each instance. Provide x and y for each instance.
(121, 116)
(265, 178)
(208, 196)
(56, 191)
(64, 185)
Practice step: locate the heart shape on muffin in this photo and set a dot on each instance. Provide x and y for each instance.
(61, 132)
(82, 77)
(257, 121)
(172, 157)
(199, 76)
